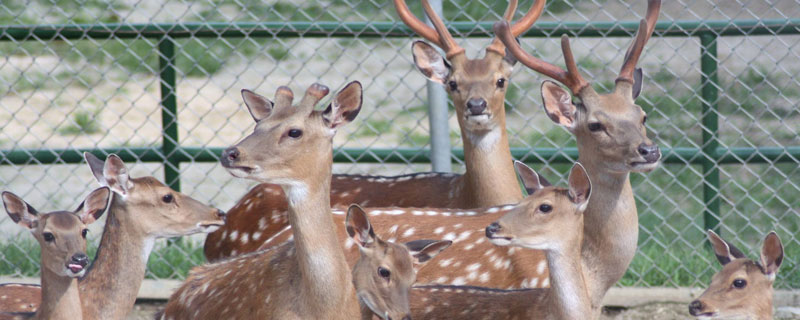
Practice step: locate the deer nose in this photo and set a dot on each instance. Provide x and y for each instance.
(650, 152)
(476, 106)
(695, 307)
(229, 156)
(80, 259)
(492, 229)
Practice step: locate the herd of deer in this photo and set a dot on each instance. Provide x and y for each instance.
(307, 244)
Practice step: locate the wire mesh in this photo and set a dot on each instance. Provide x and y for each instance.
(61, 93)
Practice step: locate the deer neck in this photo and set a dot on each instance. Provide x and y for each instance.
(611, 229)
(490, 179)
(568, 293)
(121, 259)
(60, 297)
(324, 274)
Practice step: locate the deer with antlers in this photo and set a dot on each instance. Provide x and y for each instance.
(743, 288)
(307, 278)
(141, 211)
(550, 219)
(612, 142)
(477, 87)
(62, 238)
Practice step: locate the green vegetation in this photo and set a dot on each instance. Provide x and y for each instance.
(81, 122)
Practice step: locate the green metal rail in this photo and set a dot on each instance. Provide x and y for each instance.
(171, 154)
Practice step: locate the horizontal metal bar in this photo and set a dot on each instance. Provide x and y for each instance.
(401, 155)
(384, 29)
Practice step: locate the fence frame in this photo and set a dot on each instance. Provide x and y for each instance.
(710, 155)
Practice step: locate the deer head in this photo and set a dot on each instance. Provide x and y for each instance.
(477, 86)
(172, 213)
(743, 288)
(61, 234)
(610, 127)
(299, 134)
(385, 271)
(537, 221)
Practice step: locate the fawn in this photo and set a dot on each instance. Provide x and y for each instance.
(550, 219)
(62, 238)
(142, 210)
(743, 288)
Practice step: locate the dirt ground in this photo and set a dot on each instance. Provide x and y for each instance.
(655, 311)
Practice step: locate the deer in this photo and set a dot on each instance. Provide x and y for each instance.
(477, 88)
(141, 211)
(743, 288)
(612, 142)
(550, 219)
(62, 239)
(307, 278)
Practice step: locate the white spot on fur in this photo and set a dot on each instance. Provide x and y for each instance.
(234, 235)
(438, 230)
(408, 232)
(458, 281)
(445, 262)
(450, 236)
(256, 235)
(540, 267)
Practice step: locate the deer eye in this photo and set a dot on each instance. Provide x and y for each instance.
(168, 198)
(739, 283)
(295, 133)
(49, 237)
(501, 82)
(595, 126)
(545, 208)
(644, 120)
(453, 85)
(84, 232)
(384, 273)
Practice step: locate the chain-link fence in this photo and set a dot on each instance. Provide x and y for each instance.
(158, 83)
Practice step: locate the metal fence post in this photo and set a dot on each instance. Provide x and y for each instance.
(438, 116)
(710, 92)
(169, 112)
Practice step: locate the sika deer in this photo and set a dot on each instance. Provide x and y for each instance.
(612, 142)
(550, 219)
(743, 288)
(62, 238)
(309, 277)
(142, 210)
(385, 271)
(478, 89)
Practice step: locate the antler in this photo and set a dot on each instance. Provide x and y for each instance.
(438, 35)
(570, 78)
(646, 27)
(520, 26)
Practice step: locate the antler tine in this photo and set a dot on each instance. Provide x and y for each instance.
(646, 28)
(571, 79)
(446, 40)
(415, 24)
(520, 26)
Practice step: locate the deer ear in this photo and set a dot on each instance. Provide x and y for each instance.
(771, 254)
(724, 251)
(637, 82)
(20, 211)
(580, 187)
(430, 62)
(116, 175)
(94, 206)
(424, 250)
(358, 227)
(259, 107)
(96, 165)
(558, 104)
(345, 106)
(530, 179)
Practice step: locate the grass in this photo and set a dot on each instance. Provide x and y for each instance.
(82, 122)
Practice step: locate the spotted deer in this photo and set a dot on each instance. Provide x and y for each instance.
(551, 220)
(141, 211)
(612, 142)
(307, 278)
(478, 89)
(62, 239)
(743, 288)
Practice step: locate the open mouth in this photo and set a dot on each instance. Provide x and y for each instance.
(500, 241)
(210, 226)
(239, 171)
(644, 165)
